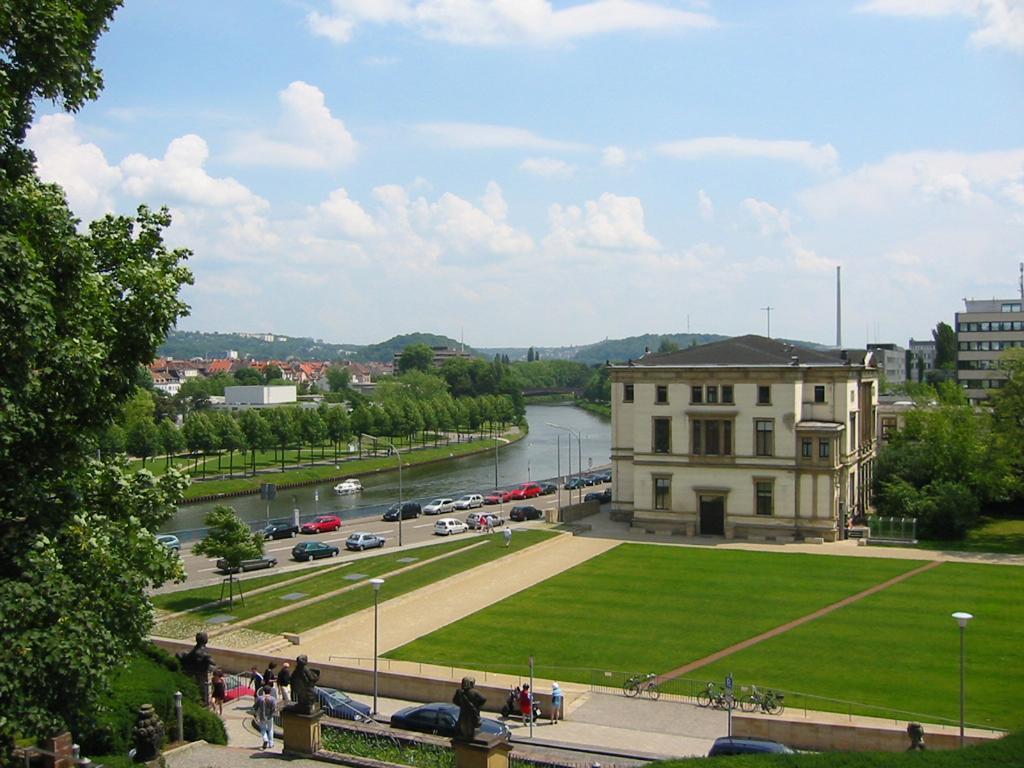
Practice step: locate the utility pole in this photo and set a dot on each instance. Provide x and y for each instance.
(768, 310)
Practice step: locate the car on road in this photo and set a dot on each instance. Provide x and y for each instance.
(313, 550)
(574, 483)
(439, 507)
(440, 719)
(469, 501)
(446, 526)
(170, 541)
(726, 745)
(280, 529)
(475, 520)
(604, 476)
(546, 488)
(601, 497)
(322, 524)
(525, 512)
(525, 491)
(410, 510)
(362, 540)
(498, 497)
(339, 704)
(254, 564)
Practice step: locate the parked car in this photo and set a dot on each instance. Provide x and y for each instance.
(313, 550)
(360, 541)
(546, 488)
(525, 491)
(410, 510)
(339, 704)
(475, 519)
(574, 483)
(446, 526)
(169, 541)
(498, 497)
(525, 512)
(280, 529)
(247, 565)
(602, 497)
(322, 524)
(469, 501)
(439, 507)
(726, 745)
(604, 476)
(440, 719)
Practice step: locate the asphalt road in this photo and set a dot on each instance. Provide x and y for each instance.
(202, 572)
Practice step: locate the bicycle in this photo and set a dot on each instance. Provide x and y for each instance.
(768, 701)
(638, 684)
(713, 697)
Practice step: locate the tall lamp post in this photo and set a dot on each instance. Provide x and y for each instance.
(391, 445)
(376, 593)
(962, 619)
(497, 440)
(579, 449)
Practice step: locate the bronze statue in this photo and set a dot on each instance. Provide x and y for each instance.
(198, 662)
(304, 680)
(916, 733)
(469, 701)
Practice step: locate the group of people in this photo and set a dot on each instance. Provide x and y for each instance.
(269, 687)
(522, 699)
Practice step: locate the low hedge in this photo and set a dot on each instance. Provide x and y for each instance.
(151, 677)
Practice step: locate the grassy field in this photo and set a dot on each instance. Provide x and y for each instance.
(643, 608)
(991, 535)
(332, 608)
(900, 649)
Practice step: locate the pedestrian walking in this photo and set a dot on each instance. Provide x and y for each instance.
(266, 707)
(526, 703)
(257, 682)
(508, 536)
(284, 683)
(220, 691)
(270, 675)
(556, 704)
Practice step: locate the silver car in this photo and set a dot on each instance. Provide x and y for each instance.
(439, 507)
(169, 541)
(361, 540)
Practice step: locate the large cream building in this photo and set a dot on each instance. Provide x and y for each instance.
(744, 438)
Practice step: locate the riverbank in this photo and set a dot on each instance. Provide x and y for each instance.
(297, 477)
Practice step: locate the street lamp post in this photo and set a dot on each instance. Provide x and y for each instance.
(376, 593)
(579, 449)
(391, 445)
(497, 440)
(962, 619)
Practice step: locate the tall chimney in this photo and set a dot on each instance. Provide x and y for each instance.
(839, 309)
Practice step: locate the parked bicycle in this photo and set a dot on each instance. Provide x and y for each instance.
(638, 684)
(713, 696)
(767, 701)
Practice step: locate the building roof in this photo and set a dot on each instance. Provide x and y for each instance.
(746, 351)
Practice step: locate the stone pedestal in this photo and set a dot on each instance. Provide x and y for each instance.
(301, 732)
(483, 752)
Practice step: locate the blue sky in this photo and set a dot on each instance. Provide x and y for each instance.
(545, 173)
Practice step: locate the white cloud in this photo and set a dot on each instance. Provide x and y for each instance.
(816, 157)
(347, 215)
(502, 22)
(774, 224)
(705, 208)
(612, 222)
(307, 135)
(613, 157)
(547, 167)
(487, 136)
(1000, 23)
(81, 168)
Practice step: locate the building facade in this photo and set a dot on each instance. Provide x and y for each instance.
(922, 359)
(891, 360)
(744, 438)
(984, 330)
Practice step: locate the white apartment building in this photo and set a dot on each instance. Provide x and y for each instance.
(744, 438)
(984, 330)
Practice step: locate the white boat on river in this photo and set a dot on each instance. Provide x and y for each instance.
(346, 487)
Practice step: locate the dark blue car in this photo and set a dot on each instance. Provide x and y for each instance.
(338, 704)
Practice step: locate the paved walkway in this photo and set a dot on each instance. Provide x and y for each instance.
(418, 613)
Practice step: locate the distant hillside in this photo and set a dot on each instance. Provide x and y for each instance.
(385, 351)
(186, 344)
(620, 350)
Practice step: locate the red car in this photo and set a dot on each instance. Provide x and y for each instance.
(526, 491)
(322, 524)
(498, 497)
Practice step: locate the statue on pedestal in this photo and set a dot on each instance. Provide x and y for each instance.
(304, 680)
(197, 663)
(470, 702)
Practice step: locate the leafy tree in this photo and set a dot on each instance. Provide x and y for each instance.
(338, 426)
(200, 437)
(599, 388)
(312, 430)
(284, 429)
(171, 439)
(81, 308)
(140, 408)
(247, 377)
(112, 441)
(945, 346)
(416, 357)
(667, 345)
(338, 378)
(230, 437)
(529, 355)
(142, 439)
(258, 435)
(229, 538)
(271, 374)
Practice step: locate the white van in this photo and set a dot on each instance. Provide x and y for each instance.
(446, 526)
(470, 501)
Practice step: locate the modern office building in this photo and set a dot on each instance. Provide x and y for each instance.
(984, 330)
(923, 351)
(891, 360)
(747, 438)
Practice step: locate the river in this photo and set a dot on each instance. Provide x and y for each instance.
(538, 456)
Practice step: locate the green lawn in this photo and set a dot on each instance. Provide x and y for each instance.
(332, 608)
(993, 534)
(900, 649)
(646, 608)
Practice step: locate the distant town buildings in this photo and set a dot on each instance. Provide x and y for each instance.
(984, 330)
(260, 395)
(920, 359)
(441, 356)
(891, 360)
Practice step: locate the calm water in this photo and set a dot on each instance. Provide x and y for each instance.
(538, 456)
